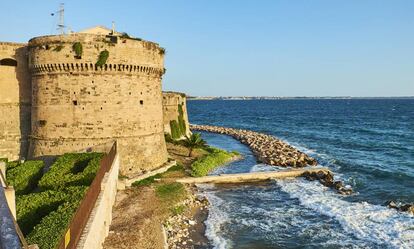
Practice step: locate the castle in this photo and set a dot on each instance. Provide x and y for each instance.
(63, 93)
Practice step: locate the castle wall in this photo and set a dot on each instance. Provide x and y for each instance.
(77, 104)
(170, 104)
(15, 101)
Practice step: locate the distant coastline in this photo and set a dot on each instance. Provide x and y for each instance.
(283, 98)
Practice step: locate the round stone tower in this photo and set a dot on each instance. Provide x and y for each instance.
(90, 89)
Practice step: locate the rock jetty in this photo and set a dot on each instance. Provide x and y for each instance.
(326, 178)
(268, 149)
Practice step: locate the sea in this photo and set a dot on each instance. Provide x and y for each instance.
(367, 143)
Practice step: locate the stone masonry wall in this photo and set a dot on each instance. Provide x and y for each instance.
(77, 104)
(170, 103)
(15, 101)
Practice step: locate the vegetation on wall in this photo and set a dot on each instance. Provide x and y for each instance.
(178, 128)
(162, 51)
(77, 48)
(103, 57)
(181, 122)
(24, 176)
(175, 129)
(58, 48)
(214, 159)
(126, 36)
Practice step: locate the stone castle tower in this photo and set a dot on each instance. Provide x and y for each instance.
(86, 89)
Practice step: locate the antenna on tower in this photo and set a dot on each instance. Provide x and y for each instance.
(61, 12)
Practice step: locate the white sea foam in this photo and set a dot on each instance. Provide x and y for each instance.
(373, 223)
(216, 219)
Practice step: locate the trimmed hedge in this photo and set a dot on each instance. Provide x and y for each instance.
(31, 208)
(44, 216)
(48, 233)
(214, 159)
(71, 169)
(24, 176)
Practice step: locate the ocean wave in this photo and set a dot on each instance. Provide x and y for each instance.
(371, 223)
(216, 219)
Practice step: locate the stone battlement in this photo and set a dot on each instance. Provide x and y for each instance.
(79, 90)
(91, 68)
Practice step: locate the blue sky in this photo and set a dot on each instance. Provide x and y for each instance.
(255, 47)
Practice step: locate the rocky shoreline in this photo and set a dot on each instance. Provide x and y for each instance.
(267, 149)
(186, 230)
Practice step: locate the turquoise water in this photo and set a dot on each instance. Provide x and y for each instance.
(368, 144)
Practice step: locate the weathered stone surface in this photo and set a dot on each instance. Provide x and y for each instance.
(170, 102)
(77, 104)
(15, 101)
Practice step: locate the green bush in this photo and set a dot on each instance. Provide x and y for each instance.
(103, 57)
(71, 169)
(24, 176)
(31, 208)
(214, 159)
(77, 48)
(48, 233)
(175, 129)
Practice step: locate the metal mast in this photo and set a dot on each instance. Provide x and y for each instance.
(61, 25)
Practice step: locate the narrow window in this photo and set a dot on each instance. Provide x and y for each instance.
(141, 102)
(75, 102)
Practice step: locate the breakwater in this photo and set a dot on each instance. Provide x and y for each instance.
(268, 149)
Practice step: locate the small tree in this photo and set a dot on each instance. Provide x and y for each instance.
(194, 141)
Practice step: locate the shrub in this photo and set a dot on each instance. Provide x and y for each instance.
(48, 233)
(71, 169)
(77, 48)
(32, 208)
(24, 176)
(103, 57)
(214, 159)
(175, 129)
